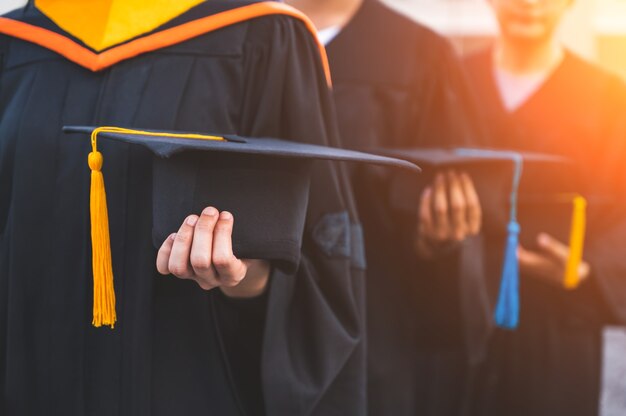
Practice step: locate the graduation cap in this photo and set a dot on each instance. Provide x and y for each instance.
(514, 188)
(264, 182)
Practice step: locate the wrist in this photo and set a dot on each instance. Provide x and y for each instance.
(430, 250)
(255, 282)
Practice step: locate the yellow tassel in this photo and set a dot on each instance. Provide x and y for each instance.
(576, 243)
(103, 291)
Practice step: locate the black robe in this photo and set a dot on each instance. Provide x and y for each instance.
(398, 84)
(176, 349)
(551, 365)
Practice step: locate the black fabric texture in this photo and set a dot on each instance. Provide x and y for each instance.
(241, 335)
(552, 363)
(164, 356)
(399, 85)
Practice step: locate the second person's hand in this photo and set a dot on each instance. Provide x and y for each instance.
(449, 212)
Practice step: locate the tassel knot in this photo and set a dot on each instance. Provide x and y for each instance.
(95, 161)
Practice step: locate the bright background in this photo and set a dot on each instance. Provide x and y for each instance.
(596, 29)
(6, 5)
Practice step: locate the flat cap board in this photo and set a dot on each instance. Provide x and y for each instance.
(492, 172)
(264, 182)
(168, 146)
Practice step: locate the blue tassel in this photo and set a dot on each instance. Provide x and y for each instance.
(507, 308)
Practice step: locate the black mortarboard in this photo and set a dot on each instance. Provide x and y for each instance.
(264, 182)
(514, 188)
(493, 172)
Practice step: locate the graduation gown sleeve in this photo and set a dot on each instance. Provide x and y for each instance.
(313, 351)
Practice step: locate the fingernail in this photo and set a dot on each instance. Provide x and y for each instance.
(225, 215)
(210, 211)
(192, 220)
(172, 236)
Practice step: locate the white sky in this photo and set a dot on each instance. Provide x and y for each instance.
(7, 5)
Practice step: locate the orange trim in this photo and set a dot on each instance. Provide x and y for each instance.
(99, 61)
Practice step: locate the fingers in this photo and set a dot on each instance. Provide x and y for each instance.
(529, 260)
(440, 209)
(449, 211)
(458, 206)
(426, 225)
(540, 266)
(456, 211)
(230, 269)
(584, 270)
(163, 257)
(202, 248)
(554, 248)
(179, 264)
(473, 208)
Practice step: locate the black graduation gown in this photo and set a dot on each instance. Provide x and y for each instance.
(551, 365)
(176, 349)
(398, 84)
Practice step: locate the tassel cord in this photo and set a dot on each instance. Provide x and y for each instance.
(104, 313)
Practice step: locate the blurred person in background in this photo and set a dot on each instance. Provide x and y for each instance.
(538, 96)
(397, 84)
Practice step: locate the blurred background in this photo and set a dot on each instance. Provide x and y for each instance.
(6, 5)
(595, 29)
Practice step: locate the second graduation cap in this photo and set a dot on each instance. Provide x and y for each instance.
(521, 194)
(498, 175)
(263, 182)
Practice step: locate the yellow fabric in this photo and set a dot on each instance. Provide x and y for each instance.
(101, 24)
(102, 263)
(576, 243)
(103, 293)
